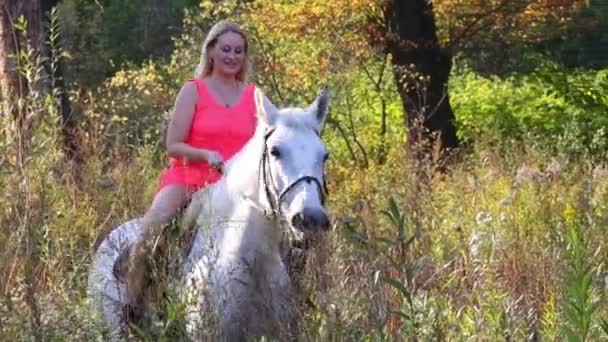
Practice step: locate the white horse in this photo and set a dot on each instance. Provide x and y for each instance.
(274, 186)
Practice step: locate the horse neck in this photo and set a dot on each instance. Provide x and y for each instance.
(255, 237)
(259, 235)
(262, 235)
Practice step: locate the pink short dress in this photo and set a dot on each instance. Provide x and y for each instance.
(214, 127)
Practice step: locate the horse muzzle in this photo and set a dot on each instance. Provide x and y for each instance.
(310, 219)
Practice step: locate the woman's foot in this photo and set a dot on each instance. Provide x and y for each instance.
(121, 265)
(135, 280)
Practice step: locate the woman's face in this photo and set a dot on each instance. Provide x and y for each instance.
(228, 54)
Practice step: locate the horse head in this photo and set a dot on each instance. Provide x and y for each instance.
(292, 167)
(289, 184)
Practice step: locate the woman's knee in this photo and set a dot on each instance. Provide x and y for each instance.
(166, 204)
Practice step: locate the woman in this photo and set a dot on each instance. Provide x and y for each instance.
(213, 118)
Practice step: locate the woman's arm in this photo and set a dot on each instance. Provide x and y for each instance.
(180, 123)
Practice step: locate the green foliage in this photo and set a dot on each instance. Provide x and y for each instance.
(398, 260)
(584, 45)
(581, 303)
(102, 36)
(552, 107)
(134, 104)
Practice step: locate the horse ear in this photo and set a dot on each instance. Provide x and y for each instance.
(265, 110)
(319, 107)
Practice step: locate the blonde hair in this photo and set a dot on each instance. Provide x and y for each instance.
(205, 66)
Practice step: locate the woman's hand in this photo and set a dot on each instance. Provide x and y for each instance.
(180, 125)
(214, 159)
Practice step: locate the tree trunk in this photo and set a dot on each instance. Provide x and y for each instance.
(69, 121)
(15, 91)
(13, 85)
(411, 39)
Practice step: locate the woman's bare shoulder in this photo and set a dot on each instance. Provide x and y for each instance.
(188, 92)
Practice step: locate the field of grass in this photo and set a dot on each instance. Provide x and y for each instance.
(510, 244)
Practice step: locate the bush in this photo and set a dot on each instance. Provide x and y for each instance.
(552, 107)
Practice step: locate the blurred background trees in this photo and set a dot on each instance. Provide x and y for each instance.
(295, 41)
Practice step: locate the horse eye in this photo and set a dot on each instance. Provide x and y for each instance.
(274, 151)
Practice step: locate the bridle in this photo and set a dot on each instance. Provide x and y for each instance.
(273, 196)
(275, 199)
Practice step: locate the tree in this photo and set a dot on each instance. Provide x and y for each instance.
(421, 69)
(20, 39)
(55, 69)
(14, 42)
(337, 33)
(496, 36)
(104, 35)
(27, 36)
(422, 48)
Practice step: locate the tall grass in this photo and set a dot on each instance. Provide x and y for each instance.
(581, 303)
(488, 261)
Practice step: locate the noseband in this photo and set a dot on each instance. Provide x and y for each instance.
(275, 197)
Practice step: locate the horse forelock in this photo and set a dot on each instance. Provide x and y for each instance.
(296, 118)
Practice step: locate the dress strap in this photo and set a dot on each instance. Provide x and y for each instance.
(199, 88)
(251, 95)
(249, 91)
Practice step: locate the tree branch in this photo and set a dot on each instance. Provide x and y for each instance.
(464, 33)
(354, 133)
(342, 132)
(273, 80)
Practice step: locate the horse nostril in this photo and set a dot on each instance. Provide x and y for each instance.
(316, 218)
(297, 220)
(324, 222)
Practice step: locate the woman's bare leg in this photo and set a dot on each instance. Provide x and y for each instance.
(164, 207)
